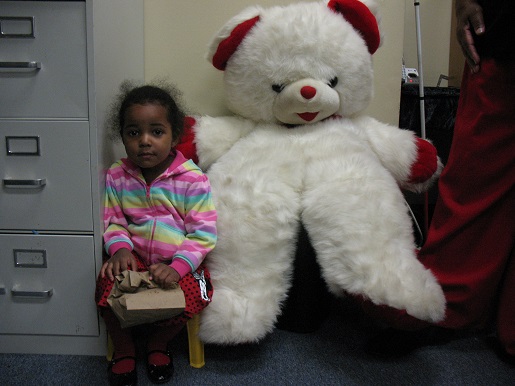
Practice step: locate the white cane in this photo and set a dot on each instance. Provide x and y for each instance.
(420, 72)
(422, 104)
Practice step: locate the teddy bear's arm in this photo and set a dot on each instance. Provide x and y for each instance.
(412, 161)
(214, 136)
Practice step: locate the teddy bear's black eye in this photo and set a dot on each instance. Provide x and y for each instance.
(333, 82)
(277, 88)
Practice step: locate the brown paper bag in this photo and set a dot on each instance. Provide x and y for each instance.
(135, 299)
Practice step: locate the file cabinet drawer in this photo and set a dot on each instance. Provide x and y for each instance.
(47, 285)
(43, 59)
(45, 172)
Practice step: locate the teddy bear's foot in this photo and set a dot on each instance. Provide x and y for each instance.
(233, 319)
(418, 296)
(402, 284)
(430, 303)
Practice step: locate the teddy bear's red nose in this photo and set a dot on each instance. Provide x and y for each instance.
(308, 92)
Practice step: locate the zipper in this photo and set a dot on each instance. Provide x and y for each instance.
(151, 207)
(154, 222)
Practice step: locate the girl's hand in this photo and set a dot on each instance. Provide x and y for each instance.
(163, 275)
(122, 260)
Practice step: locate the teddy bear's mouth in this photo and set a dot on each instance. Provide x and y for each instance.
(308, 116)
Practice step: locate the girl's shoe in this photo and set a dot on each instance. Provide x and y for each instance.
(122, 379)
(160, 373)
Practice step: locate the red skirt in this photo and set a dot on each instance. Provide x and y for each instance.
(196, 286)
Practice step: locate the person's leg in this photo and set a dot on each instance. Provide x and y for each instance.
(157, 345)
(198, 292)
(506, 313)
(123, 365)
(122, 341)
(471, 233)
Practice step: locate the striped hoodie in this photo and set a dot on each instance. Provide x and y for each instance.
(172, 220)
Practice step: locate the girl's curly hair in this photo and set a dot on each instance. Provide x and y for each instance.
(159, 92)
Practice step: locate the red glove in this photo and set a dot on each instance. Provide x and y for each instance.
(426, 164)
(187, 145)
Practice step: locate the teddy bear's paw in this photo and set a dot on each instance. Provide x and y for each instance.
(231, 319)
(422, 178)
(430, 303)
(409, 287)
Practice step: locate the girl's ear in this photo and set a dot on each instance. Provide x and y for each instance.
(175, 142)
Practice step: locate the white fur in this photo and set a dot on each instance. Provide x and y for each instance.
(339, 176)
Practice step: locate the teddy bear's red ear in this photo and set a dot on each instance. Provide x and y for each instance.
(361, 18)
(228, 46)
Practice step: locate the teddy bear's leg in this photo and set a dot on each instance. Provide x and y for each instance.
(250, 285)
(362, 234)
(252, 262)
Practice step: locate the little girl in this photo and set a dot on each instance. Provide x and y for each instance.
(159, 217)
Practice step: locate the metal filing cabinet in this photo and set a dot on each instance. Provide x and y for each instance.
(58, 76)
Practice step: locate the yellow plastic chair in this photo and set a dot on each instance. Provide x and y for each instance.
(195, 345)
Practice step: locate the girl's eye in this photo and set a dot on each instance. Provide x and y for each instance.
(132, 133)
(333, 82)
(158, 132)
(278, 88)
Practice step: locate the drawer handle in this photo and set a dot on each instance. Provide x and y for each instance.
(32, 294)
(32, 184)
(20, 65)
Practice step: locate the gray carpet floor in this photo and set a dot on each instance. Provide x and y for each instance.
(334, 354)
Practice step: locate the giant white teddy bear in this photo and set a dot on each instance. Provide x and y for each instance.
(297, 150)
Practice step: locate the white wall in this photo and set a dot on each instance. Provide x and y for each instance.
(435, 25)
(388, 64)
(177, 33)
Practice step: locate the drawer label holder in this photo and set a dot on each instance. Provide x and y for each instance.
(22, 145)
(18, 27)
(30, 258)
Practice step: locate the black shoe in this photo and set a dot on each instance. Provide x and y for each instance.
(160, 374)
(123, 379)
(392, 343)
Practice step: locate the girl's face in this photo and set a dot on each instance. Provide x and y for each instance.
(147, 137)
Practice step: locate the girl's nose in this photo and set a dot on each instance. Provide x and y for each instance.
(144, 140)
